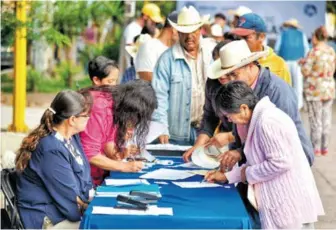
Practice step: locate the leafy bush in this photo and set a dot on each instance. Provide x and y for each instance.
(66, 71)
(34, 79)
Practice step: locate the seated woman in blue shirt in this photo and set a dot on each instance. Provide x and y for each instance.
(53, 174)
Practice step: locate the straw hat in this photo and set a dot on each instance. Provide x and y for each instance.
(133, 49)
(189, 20)
(240, 11)
(233, 55)
(292, 22)
(216, 30)
(201, 159)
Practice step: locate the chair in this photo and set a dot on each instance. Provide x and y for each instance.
(8, 187)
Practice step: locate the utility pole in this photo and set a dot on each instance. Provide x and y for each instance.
(20, 70)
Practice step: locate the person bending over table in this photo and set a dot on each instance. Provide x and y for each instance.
(118, 113)
(276, 166)
(54, 180)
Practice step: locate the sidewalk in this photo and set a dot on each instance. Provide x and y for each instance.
(324, 168)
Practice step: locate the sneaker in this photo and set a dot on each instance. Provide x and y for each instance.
(324, 152)
(317, 153)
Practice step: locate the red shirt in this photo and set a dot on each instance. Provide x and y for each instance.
(99, 131)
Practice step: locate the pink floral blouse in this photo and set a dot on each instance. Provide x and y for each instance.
(318, 69)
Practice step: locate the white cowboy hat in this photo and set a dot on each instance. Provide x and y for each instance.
(292, 22)
(216, 30)
(233, 55)
(133, 49)
(201, 159)
(240, 11)
(189, 20)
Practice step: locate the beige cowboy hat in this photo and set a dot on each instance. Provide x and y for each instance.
(233, 55)
(240, 11)
(133, 49)
(189, 20)
(292, 22)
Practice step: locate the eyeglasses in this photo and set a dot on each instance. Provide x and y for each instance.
(83, 115)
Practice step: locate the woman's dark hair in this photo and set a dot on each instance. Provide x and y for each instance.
(232, 95)
(67, 103)
(101, 67)
(133, 103)
(321, 33)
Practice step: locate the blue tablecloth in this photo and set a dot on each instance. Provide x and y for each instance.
(192, 208)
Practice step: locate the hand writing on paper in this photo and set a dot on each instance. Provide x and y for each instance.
(132, 166)
(215, 176)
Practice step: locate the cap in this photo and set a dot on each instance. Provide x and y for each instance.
(249, 23)
(153, 12)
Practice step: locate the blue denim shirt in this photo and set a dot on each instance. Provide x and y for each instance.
(172, 83)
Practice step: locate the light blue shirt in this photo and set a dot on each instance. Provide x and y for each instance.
(172, 82)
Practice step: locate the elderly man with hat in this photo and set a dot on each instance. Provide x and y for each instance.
(237, 62)
(292, 45)
(252, 28)
(179, 80)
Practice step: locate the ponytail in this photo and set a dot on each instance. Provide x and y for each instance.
(30, 142)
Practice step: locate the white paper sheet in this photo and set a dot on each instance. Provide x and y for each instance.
(145, 154)
(187, 165)
(196, 184)
(167, 174)
(169, 147)
(122, 182)
(155, 130)
(199, 172)
(152, 210)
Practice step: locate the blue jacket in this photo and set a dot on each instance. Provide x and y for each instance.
(51, 182)
(172, 83)
(292, 44)
(279, 92)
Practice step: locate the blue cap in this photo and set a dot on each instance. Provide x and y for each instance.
(248, 24)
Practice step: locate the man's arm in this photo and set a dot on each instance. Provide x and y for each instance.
(161, 85)
(147, 76)
(285, 100)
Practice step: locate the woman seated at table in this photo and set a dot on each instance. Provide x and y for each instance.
(118, 113)
(276, 167)
(54, 175)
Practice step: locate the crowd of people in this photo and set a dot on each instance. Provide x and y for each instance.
(207, 84)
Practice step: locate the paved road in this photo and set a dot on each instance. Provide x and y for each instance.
(324, 167)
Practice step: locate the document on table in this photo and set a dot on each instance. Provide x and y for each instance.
(167, 174)
(186, 165)
(152, 210)
(169, 147)
(123, 182)
(199, 172)
(196, 184)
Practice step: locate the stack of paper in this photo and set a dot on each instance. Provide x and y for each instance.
(123, 182)
(114, 191)
(169, 147)
(195, 184)
(187, 165)
(152, 210)
(167, 174)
